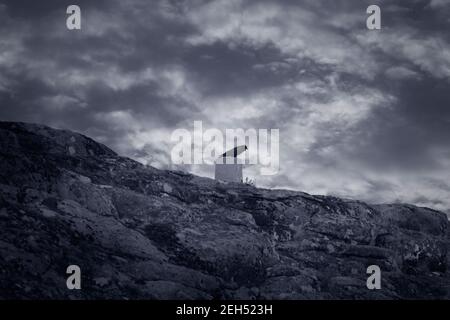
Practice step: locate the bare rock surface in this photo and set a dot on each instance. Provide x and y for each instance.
(142, 233)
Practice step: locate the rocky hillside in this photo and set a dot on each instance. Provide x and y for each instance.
(141, 233)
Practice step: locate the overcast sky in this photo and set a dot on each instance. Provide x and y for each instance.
(362, 114)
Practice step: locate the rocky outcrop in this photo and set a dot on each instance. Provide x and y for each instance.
(141, 233)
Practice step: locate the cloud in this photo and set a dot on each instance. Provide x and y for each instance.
(430, 54)
(399, 73)
(292, 29)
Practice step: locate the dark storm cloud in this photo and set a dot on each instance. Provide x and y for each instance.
(361, 114)
(50, 56)
(220, 69)
(39, 10)
(406, 135)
